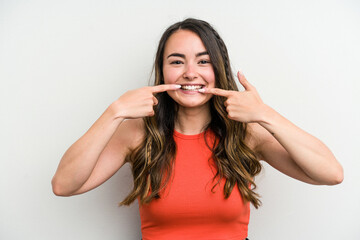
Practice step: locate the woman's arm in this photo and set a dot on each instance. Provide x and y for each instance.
(295, 152)
(101, 151)
(278, 141)
(94, 158)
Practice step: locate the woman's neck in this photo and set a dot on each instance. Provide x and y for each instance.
(192, 121)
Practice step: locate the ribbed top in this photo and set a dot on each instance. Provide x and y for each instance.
(188, 208)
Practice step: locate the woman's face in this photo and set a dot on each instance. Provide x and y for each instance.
(187, 63)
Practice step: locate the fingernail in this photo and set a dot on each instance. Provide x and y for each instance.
(241, 72)
(202, 90)
(177, 86)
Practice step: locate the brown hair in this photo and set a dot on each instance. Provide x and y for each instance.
(152, 160)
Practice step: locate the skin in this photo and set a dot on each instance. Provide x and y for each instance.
(101, 151)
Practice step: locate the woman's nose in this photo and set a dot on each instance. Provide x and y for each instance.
(190, 72)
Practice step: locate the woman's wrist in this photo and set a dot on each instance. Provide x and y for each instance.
(270, 118)
(113, 114)
(267, 114)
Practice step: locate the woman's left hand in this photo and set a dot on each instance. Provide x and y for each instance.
(243, 106)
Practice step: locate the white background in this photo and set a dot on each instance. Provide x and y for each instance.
(63, 62)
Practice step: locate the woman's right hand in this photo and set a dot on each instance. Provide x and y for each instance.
(140, 102)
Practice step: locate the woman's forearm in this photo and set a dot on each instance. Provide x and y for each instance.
(308, 152)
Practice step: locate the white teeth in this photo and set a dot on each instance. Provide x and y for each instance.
(191, 87)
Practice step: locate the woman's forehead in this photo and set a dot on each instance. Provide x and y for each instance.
(184, 41)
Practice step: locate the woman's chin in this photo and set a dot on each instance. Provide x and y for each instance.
(193, 104)
(190, 99)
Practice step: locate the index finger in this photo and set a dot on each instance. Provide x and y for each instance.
(164, 87)
(218, 92)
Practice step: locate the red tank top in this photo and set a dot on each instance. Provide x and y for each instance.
(187, 209)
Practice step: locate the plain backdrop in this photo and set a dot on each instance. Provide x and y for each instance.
(63, 62)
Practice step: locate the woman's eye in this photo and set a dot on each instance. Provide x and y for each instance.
(176, 62)
(204, 62)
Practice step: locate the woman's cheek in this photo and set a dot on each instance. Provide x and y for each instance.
(171, 74)
(210, 79)
(168, 79)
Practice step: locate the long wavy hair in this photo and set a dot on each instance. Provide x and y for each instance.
(152, 161)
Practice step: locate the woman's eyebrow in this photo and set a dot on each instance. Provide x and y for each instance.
(183, 56)
(176, 55)
(202, 53)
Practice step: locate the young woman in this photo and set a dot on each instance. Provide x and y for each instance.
(194, 142)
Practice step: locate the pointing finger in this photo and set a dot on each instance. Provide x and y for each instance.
(217, 91)
(165, 87)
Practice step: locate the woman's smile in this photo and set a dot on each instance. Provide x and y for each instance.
(192, 87)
